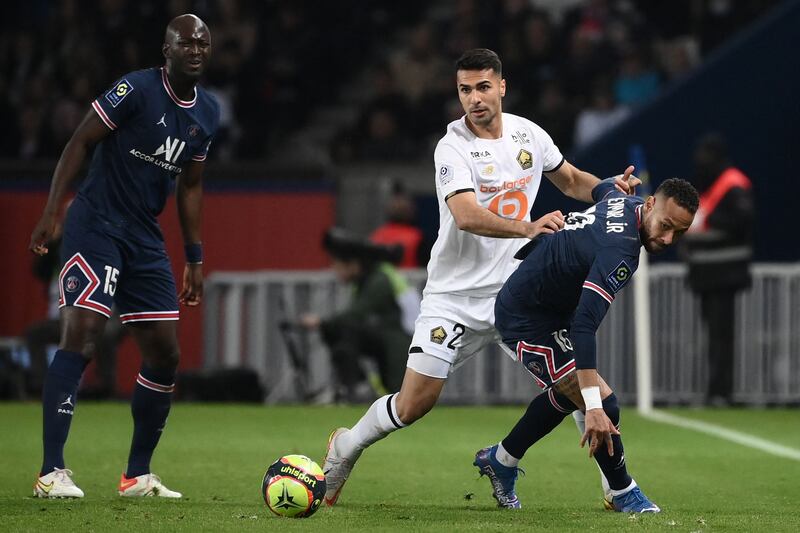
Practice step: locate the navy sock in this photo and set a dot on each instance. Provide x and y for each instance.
(544, 413)
(152, 399)
(613, 467)
(58, 404)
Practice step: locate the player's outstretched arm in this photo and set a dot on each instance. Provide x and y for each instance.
(88, 133)
(189, 197)
(472, 217)
(578, 184)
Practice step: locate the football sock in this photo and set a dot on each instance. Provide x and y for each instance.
(580, 422)
(613, 467)
(505, 458)
(58, 404)
(544, 413)
(150, 406)
(379, 420)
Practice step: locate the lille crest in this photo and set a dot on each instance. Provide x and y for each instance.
(525, 159)
(438, 335)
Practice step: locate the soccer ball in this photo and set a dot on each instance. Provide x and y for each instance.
(293, 486)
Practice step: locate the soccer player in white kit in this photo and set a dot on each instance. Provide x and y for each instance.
(489, 166)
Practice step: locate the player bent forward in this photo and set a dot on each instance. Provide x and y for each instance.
(548, 313)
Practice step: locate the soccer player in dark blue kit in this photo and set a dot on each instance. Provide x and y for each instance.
(548, 312)
(152, 130)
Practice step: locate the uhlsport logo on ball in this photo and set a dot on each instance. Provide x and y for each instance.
(293, 486)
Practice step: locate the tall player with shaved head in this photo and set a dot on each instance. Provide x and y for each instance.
(149, 132)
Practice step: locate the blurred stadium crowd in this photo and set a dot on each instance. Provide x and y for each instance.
(360, 80)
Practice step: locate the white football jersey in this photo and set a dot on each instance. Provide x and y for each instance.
(505, 175)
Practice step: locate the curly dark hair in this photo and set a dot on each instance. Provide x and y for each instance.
(683, 192)
(480, 59)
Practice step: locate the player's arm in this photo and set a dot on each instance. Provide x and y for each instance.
(89, 132)
(608, 274)
(189, 198)
(474, 218)
(579, 184)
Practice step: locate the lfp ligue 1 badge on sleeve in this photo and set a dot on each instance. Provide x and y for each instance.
(116, 95)
(619, 276)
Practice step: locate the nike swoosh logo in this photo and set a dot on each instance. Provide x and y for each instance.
(45, 487)
(125, 484)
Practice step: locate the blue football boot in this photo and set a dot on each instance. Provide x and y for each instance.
(502, 477)
(634, 501)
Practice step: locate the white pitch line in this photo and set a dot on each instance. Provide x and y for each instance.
(728, 434)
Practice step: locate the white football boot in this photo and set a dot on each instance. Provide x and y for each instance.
(145, 485)
(57, 484)
(336, 468)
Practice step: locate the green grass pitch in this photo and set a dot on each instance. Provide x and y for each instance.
(420, 479)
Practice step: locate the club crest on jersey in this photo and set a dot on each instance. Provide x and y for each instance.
(619, 276)
(438, 335)
(193, 130)
(116, 95)
(73, 284)
(445, 174)
(525, 159)
(536, 368)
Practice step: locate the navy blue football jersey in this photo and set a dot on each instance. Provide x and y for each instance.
(154, 135)
(568, 279)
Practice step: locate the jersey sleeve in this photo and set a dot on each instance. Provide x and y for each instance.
(610, 272)
(202, 153)
(452, 172)
(116, 105)
(551, 155)
(605, 190)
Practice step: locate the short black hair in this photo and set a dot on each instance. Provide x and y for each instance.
(480, 59)
(683, 192)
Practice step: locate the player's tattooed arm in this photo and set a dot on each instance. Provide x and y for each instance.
(90, 132)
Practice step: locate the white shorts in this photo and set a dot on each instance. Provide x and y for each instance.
(449, 330)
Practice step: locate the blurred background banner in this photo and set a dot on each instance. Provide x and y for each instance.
(323, 123)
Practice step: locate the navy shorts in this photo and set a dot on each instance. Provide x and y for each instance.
(549, 358)
(101, 270)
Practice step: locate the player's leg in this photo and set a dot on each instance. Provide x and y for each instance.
(437, 345)
(418, 394)
(85, 296)
(500, 462)
(626, 496)
(148, 305)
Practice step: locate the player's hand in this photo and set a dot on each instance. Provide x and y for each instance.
(42, 234)
(192, 292)
(598, 431)
(627, 182)
(550, 223)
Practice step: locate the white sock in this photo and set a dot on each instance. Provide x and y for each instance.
(580, 421)
(379, 420)
(625, 490)
(505, 458)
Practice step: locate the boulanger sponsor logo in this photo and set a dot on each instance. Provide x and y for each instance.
(525, 159)
(438, 335)
(507, 185)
